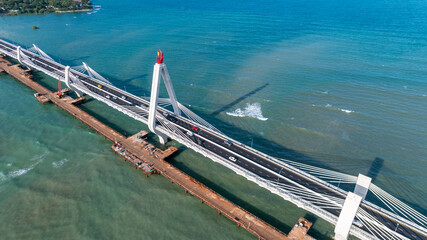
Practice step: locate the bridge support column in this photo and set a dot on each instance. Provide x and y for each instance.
(18, 54)
(362, 185)
(68, 81)
(350, 207)
(160, 71)
(153, 104)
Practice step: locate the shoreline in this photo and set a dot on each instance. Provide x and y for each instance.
(72, 11)
(57, 11)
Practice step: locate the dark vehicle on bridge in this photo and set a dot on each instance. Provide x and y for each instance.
(170, 117)
(228, 143)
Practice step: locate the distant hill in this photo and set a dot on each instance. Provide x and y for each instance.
(13, 7)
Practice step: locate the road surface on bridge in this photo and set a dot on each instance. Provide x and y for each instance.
(246, 157)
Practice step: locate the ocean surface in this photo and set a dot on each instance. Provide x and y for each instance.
(336, 84)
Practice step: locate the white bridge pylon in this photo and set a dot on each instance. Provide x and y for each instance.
(358, 217)
(19, 54)
(160, 71)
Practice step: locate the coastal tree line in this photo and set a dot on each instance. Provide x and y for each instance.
(42, 6)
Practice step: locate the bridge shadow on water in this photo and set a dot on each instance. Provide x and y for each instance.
(244, 136)
(373, 167)
(265, 145)
(102, 119)
(257, 211)
(238, 100)
(232, 197)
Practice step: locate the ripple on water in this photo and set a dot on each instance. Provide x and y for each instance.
(20, 172)
(59, 164)
(329, 106)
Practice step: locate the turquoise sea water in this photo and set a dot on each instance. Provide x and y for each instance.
(336, 84)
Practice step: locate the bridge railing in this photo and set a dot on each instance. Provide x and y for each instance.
(241, 171)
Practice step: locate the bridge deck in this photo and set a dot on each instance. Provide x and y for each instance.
(258, 167)
(139, 148)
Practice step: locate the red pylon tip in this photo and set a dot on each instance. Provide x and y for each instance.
(160, 56)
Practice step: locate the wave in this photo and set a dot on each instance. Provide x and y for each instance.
(329, 106)
(23, 171)
(252, 110)
(2, 177)
(19, 172)
(96, 8)
(59, 163)
(345, 110)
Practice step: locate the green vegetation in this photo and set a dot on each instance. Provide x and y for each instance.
(42, 6)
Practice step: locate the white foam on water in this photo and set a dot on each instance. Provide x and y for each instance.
(96, 8)
(345, 110)
(20, 172)
(59, 163)
(329, 106)
(2, 177)
(252, 110)
(9, 164)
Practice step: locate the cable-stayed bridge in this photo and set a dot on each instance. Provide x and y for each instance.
(306, 186)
